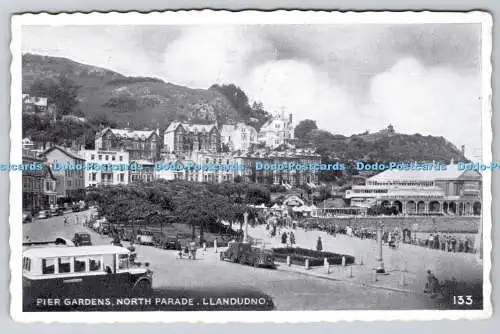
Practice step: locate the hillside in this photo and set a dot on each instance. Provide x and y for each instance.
(139, 101)
(383, 147)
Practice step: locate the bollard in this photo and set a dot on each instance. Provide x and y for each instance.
(350, 272)
(204, 247)
(375, 278)
(215, 245)
(326, 265)
(361, 261)
(402, 281)
(405, 267)
(288, 261)
(307, 264)
(343, 261)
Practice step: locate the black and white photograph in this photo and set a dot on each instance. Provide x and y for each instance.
(177, 166)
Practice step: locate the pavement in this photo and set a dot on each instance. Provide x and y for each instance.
(405, 266)
(291, 288)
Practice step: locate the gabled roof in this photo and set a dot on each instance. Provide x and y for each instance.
(126, 133)
(191, 127)
(65, 151)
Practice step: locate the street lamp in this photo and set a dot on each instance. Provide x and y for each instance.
(245, 219)
(380, 261)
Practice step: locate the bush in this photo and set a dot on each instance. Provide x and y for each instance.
(316, 258)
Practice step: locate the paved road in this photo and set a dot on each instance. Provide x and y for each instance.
(207, 274)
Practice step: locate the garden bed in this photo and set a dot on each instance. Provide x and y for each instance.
(298, 256)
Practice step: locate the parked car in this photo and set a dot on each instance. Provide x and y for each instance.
(27, 218)
(167, 242)
(75, 208)
(245, 253)
(82, 239)
(43, 214)
(57, 212)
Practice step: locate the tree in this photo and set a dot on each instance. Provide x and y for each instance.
(304, 127)
(61, 91)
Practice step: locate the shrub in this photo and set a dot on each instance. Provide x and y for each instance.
(316, 258)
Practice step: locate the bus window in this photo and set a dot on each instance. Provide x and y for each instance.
(95, 264)
(64, 265)
(48, 266)
(123, 261)
(80, 264)
(26, 263)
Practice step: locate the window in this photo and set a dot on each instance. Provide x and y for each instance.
(80, 264)
(48, 266)
(121, 158)
(27, 263)
(92, 157)
(122, 177)
(113, 158)
(106, 157)
(100, 156)
(64, 264)
(95, 264)
(122, 261)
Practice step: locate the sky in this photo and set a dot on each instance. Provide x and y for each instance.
(421, 78)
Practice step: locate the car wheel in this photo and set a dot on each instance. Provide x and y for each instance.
(142, 288)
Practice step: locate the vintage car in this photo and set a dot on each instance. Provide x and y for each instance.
(83, 271)
(82, 239)
(144, 238)
(76, 208)
(27, 218)
(246, 253)
(166, 242)
(43, 214)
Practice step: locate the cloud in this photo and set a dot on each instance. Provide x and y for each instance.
(350, 78)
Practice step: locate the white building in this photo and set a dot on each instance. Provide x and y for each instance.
(422, 192)
(277, 131)
(206, 167)
(101, 175)
(238, 137)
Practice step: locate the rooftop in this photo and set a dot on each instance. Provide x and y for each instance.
(46, 252)
(451, 172)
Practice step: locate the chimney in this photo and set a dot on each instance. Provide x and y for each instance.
(463, 150)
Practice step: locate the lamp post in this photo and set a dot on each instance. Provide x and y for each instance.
(245, 220)
(380, 261)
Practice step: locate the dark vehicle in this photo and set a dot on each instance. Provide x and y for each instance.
(27, 218)
(162, 241)
(245, 253)
(76, 208)
(105, 230)
(82, 239)
(91, 270)
(57, 212)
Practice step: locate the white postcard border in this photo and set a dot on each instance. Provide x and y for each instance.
(245, 17)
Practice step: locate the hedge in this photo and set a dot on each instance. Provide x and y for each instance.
(298, 256)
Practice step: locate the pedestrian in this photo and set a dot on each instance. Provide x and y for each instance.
(186, 252)
(283, 238)
(319, 245)
(430, 281)
(292, 238)
(65, 221)
(454, 244)
(467, 245)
